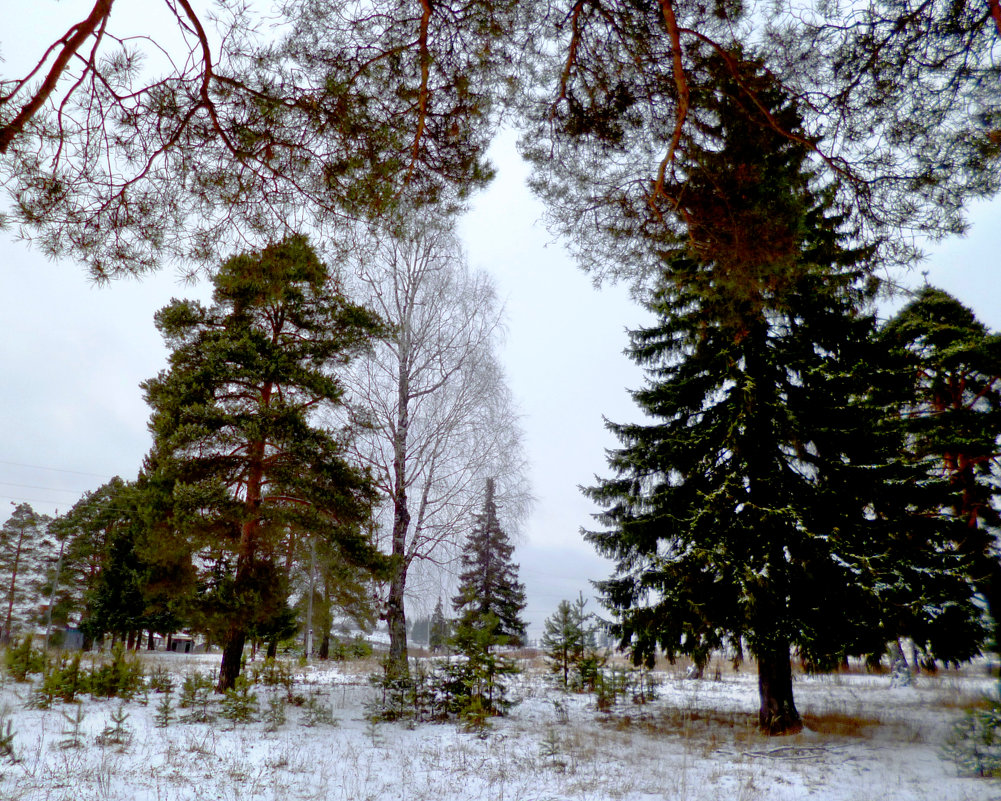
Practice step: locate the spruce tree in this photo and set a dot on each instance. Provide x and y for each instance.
(490, 595)
(239, 454)
(438, 635)
(751, 512)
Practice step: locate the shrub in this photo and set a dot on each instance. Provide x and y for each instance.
(274, 712)
(240, 704)
(160, 680)
(275, 673)
(614, 683)
(316, 712)
(974, 743)
(120, 677)
(470, 690)
(73, 733)
(23, 660)
(196, 697)
(64, 680)
(164, 711)
(356, 648)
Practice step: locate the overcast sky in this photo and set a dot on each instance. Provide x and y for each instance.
(72, 356)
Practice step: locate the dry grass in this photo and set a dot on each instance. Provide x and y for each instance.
(843, 725)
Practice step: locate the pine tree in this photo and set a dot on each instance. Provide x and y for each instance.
(439, 633)
(25, 544)
(568, 637)
(758, 508)
(490, 595)
(238, 453)
(946, 388)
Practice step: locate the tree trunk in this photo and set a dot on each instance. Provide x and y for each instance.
(777, 714)
(396, 619)
(13, 583)
(397, 665)
(990, 587)
(325, 646)
(272, 650)
(232, 653)
(151, 642)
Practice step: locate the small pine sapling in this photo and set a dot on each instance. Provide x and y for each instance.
(196, 697)
(569, 642)
(24, 660)
(274, 711)
(240, 704)
(7, 735)
(160, 680)
(974, 744)
(119, 733)
(316, 712)
(73, 733)
(164, 711)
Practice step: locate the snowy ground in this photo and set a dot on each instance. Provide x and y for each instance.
(867, 741)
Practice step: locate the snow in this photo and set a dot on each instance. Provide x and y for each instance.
(696, 742)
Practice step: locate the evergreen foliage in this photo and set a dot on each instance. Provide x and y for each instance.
(763, 506)
(106, 582)
(221, 128)
(945, 385)
(490, 598)
(974, 744)
(439, 629)
(239, 459)
(26, 547)
(569, 641)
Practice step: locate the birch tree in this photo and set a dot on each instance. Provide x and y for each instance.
(442, 418)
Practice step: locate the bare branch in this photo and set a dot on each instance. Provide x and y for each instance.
(72, 41)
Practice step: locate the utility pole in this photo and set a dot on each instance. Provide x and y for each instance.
(309, 603)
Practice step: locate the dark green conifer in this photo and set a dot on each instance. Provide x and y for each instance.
(751, 512)
(945, 385)
(489, 591)
(568, 637)
(439, 630)
(238, 442)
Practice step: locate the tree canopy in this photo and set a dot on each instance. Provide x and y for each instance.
(945, 367)
(440, 413)
(763, 506)
(236, 438)
(129, 143)
(490, 600)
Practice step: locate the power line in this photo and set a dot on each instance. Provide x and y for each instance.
(55, 469)
(47, 489)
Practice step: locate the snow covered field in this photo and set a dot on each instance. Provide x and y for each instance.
(866, 741)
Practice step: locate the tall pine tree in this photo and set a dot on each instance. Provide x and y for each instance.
(746, 513)
(946, 387)
(490, 595)
(237, 441)
(25, 544)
